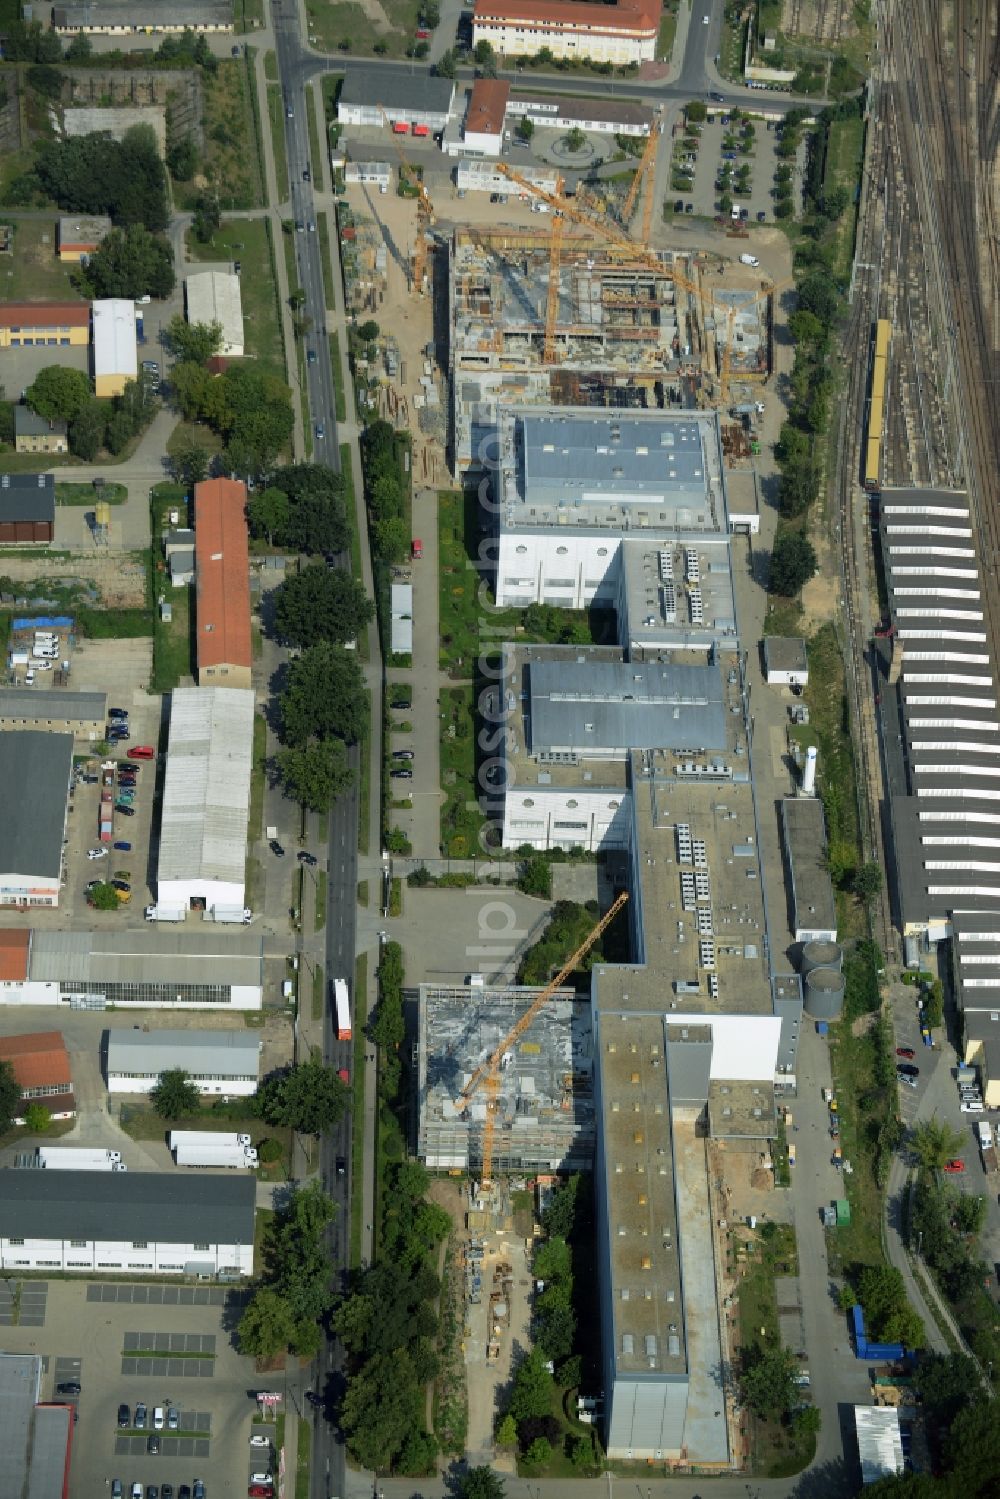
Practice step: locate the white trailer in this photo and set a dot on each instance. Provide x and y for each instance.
(206, 1137)
(240, 915)
(233, 1157)
(72, 1158)
(165, 913)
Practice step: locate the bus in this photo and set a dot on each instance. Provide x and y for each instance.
(342, 1010)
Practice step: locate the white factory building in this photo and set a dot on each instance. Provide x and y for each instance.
(214, 297)
(219, 1063)
(206, 799)
(116, 360)
(131, 1222)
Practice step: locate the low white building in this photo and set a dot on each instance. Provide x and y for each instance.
(219, 1063)
(206, 799)
(477, 176)
(214, 297)
(132, 1222)
(374, 173)
(116, 360)
(415, 101)
(786, 663)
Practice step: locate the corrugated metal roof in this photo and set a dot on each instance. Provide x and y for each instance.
(227, 1053)
(64, 707)
(152, 1207)
(114, 338)
(35, 771)
(206, 789)
(880, 1445)
(151, 956)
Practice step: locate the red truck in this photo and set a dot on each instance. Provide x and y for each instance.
(416, 549)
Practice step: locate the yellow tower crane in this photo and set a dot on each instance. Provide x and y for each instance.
(487, 1075)
(555, 261)
(646, 170)
(425, 208)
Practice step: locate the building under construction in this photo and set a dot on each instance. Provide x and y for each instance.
(744, 321)
(624, 335)
(544, 1101)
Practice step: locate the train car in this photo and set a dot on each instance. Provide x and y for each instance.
(342, 1010)
(876, 407)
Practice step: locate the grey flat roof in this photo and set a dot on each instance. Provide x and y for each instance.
(397, 89)
(28, 497)
(20, 1374)
(584, 109)
(804, 831)
(602, 707)
(49, 1451)
(28, 423)
(142, 1205)
(228, 1053)
(610, 457)
(161, 956)
(782, 653)
(65, 707)
(136, 16)
(35, 771)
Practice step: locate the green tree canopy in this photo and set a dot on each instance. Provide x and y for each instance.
(196, 342)
(37, 1118)
(267, 1326)
(934, 1141)
(325, 696)
(315, 774)
(533, 1389)
(10, 1096)
(104, 897)
(481, 1483)
(267, 514)
(696, 111)
(320, 603)
(175, 1095)
(766, 1381)
(309, 1098)
(793, 563)
(97, 174)
(316, 516)
(129, 263)
(58, 393)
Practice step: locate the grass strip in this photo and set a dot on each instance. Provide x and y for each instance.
(302, 1460)
(323, 229)
(315, 154)
(320, 917)
(275, 114)
(358, 1107)
(339, 394)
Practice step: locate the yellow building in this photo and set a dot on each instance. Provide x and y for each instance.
(36, 325)
(36, 434)
(81, 236)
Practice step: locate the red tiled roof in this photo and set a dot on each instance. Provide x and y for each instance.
(222, 573)
(626, 15)
(39, 1060)
(45, 314)
(487, 106)
(14, 955)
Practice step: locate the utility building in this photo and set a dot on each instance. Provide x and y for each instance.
(219, 1063)
(27, 509)
(35, 770)
(214, 297)
(115, 358)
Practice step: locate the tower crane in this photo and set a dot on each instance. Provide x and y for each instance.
(646, 169)
(487, 1074)
(552, 300)
(425, 208)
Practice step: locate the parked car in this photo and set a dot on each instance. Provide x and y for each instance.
(68, 1387)
(401, 775)
(116, 1488)
(127, 765)
(97, 853)
(954, 1166)
(173, 1419)
(974, 1106)
(124, 809)
(902, 1077)
(118, 713)
(276, 848)
(140, 1417)
(260, 1490)
(905, 1051)
(152, 1489)
(166, 1491)
(153, 1445)
(199, 1489)
(137, 1491)
(305, 858)
(124, 1415)
(158, 1415)
(258, 1441)
(261, 1477)
(143, 752)
(907, 1070)
(122, 847)
(402, 754)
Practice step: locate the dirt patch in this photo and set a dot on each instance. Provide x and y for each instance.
(113, 581)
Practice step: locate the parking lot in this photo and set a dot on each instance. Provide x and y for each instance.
(85, 1339)
(720, 145)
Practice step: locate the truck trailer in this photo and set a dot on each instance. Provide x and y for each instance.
(342, 1009)
(238, 915)
(76, 1158)
(207, 1137)
(232, 1157)
(165, 913)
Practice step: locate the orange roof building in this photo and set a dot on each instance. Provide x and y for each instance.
(222, 583)
(41, 1066)
(483, 130)
(622, 33)
(36, 324)
(14, 947)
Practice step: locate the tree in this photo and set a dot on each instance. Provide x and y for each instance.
(207, 217)
(368, 331)
(316, 774)
(726, 203)
(103, 897)
(793, 563)
(447, 64)
(129, 263)
(766, 1382)
(808, 1420)
(882, 1294)
(97, 174)
(485, 59)
(533, 1388)
(46, 80)
(309, 1098)
(819, 296)
(535, 877)
(481, 1483)
(539, 1452)
(58, 393)
(86, 431)
(431, 14)
(267, 514)
(182, 158)
(189, 461)
(574, 140)
(79, 49)
(320, 603)
(10, 1097)
(194, 342)
(267, 1325)
(934, 1141)
(834, 201)
(867, 882)
(507, 1432)
(325, 697)
(525, 129)
(37, 1118)
(390, 540)
(175, 1095)
(696, 112)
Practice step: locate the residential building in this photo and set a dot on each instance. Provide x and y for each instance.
(79, 236)
(222, 584)
(27, 509)
(36, 1438)
(54, 325)
(219, 1063)
(82, 714)
(35, 770)
(41, 1065)
(133, 1222)
(141, 17)
(621, 34)
(166, 967)
(206, 799)
(115, 358)
(214, 297)
(375, 96)
(36, 434)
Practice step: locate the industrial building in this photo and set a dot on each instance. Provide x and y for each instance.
(219, 1063)
(36, 1438)
(206, 799)
(810, 889)
(222, 584)
(475, 174)
(41, 1065)
(622, 33)
(623, 334)
(141, 17)
(159, 968)
(37, 434)
(116, 360)
(214, 297)
(58, 325)
(786, 663)
(544, 1105)
(139, 1223)
(78, 236)
(493, 111)
(27, 509)
(35, 771)
(374, 96)
(82, 714)
(880, 1442)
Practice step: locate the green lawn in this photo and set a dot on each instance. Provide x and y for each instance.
(249, 241)
(843, 169)
(85, 495)
(276, 115)
(339, 394)
(271, 67)
(346, 22)
(315, 152)
(668, 30)
(318, 992)
(460, 612)
(230, 163)
(173, 642)
(302, 1463)
(777, 1453)
(248, 15)
(319, 920)
(33, 272)
(323, 227)
(461, 818)
(358, 1107)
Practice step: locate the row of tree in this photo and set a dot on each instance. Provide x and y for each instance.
(248, 408)
(96, 174)
(302, 509)
(385, 494)
(292, 1298)
(59, 393)
(386, 1029)
(309, 1098)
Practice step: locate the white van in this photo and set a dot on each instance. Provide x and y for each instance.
(749, 260)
